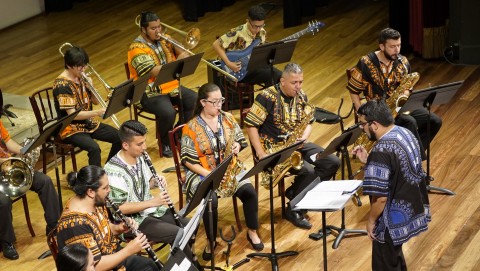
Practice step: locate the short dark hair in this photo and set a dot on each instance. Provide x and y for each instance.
(75, 56)
(86, 178)
(203, 94)
(147, 17)
(376, 110)
(131, 128)
(256, 13)
(292, 68)
(72, 257)
(388, 34)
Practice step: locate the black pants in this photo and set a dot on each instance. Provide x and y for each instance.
(387, 256)
(85, 141)
(324, 168)
(262, 77)
(162, 107)
(139, 263)
(416, 122)
(43, 186)
(163, 230)
(247, 194)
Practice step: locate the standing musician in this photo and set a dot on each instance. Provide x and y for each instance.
(131, 180)
(379, 73)
(204, 141)
(395, 182)
(274, 115)
(241, 37)
(71, 93)
(85, 220)
(42, 185)
(147, 54)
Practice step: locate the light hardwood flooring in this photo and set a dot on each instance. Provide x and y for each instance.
(30, 61)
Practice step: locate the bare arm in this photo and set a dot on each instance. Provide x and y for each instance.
(234, 66)
(83, 115)
(197, 168)
(255, 141)
(355, 100)
(108, 262)
(306, 133)
(376, 209)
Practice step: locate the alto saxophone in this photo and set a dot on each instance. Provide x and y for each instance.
(396, 100)
(229, 183)
(295, 161)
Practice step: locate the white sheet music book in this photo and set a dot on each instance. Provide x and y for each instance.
(329, 195)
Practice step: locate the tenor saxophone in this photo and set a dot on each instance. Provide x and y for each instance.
(229, 183)
(295, 160)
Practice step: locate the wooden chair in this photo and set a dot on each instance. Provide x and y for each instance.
(243, 90)
(281, 183)
(52, 243)
(138, 111)
(349, 75)
(42, 103)
(174, 136)
(27, 213)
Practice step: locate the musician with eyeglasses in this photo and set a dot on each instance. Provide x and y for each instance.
(140, 193)
(379, 73)
(274, 118)
(205, 139)
(42, 185)
(146, 55)
(238, 39)
(71, 92)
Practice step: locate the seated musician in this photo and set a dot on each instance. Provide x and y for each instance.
(205, 140)
(41, 184)
(85, 220)
(71, 92)
(251, 33)
(378, 74)
(75, 257)
(276, 114)
(131, 180)
(146, 55)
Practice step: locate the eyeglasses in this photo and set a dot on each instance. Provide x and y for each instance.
(362, 124)
(217, 102)
(256, 26)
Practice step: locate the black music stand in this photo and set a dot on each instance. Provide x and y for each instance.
(267, 163)
(269, 54)
(205, 190)
(340, 145)
(122, 97)
(175, 71)
(437, 95)
(48, 136)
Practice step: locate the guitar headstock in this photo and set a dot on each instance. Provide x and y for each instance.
(314, 26)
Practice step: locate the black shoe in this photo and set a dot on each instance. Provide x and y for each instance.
(297, 219)
(166, 151)
(258, 246)
(9, 251)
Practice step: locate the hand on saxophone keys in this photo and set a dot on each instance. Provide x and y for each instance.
(361, 153)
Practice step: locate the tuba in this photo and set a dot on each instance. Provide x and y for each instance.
(229, 183)
(16, 174)
(295, 161)
(394, 102)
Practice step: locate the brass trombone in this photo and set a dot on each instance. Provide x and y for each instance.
(91, 87)
(192, 38)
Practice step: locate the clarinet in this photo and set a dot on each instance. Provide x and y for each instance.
(135, 232)
(176, 217)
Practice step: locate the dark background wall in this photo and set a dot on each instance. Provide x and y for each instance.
(464, 30)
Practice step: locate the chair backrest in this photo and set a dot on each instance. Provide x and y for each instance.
(174, 136)
(43, 107)
(349, 75)
(127, 70)
(52, 242)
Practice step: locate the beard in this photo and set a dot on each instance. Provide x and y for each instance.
(99, 201)
(390, 57)
(371, 135)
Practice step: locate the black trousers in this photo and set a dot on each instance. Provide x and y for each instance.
(162, 107)
(139, 263)
(417, 122)
(387, 256)
(43, 186)
(86, 142)
(247, 194)
(163, 230)
(262, 77)
(324, 168)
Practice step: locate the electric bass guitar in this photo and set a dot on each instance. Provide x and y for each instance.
(243, 56)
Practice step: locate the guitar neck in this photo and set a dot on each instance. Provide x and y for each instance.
(296, 35)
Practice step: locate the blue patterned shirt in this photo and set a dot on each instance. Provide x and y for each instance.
(394, 170)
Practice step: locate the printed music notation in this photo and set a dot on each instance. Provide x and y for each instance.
(329, 195)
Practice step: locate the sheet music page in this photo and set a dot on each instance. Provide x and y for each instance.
(346, 186)
(323, 200)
